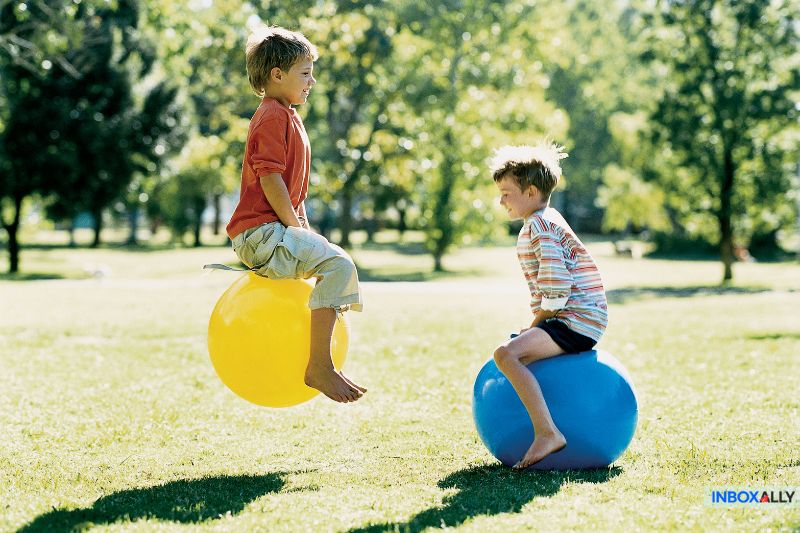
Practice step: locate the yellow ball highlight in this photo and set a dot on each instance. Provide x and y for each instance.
(259, 337)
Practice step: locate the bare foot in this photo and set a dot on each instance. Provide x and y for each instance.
(333, 384)
(351, 382)
(542, 446)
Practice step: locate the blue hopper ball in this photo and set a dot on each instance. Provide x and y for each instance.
(591, 399)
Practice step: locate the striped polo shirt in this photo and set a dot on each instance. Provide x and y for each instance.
(561, 273)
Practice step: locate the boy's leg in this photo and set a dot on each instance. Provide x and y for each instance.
(320, 373)
(332, 267)
(511, 357)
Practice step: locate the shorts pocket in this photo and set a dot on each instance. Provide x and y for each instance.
(302, 244)
(248, 249)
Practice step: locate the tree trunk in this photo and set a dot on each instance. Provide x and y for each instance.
(798, 209)
(13, 243)
(371, 227)
(437, 262)
(339, 129)
(133, 223)
(725, 215)
(443, 230)
(402, 225)
(346, 216)
(197, 226)
(326, 221)
(71, 233)
(199, 208)
(217, 199)
(98, 227)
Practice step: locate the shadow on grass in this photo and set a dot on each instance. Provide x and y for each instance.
(382, 274)
(490, 490)
(773, 336)
(30, 276)
(618, 296)
(122, 247)
(187, 501)
(403, 248)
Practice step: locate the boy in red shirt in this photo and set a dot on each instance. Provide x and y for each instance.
(268, 228)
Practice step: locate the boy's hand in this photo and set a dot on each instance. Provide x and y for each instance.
(541, 316)
(304, 223)
(547, 315)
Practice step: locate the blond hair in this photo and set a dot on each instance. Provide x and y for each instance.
(538, 165)
(272, 46)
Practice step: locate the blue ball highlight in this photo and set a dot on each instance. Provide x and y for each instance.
(590, 397)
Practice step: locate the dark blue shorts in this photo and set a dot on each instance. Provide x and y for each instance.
(568, 340)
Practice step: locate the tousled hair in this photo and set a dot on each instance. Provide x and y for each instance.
(538, 165)
(272, 46)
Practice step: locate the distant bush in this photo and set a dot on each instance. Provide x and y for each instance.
(765, 247)
(669, 244)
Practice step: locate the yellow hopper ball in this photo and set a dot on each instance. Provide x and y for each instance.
(259, 337)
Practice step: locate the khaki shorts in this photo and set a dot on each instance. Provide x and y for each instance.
(278, 252)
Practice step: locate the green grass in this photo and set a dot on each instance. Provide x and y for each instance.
(112, 416)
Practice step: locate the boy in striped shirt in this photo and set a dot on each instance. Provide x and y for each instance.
(568, 301)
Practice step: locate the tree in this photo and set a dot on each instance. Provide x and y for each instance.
(728, 114)
(76, 134)
(472, 92)
(630, 195)
(357, 89)
(201, 49)
(29, 152)
(158, 129)
(28, 155)
(34, 35)
(195, 177)
(117, 136)
(592, 74)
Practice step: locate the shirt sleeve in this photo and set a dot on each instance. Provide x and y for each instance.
(553, 279)
(269, 147)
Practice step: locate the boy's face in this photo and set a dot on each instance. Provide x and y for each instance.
(518, 203)
(291, 87)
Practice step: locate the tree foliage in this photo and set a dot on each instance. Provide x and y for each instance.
(728, 113)
(679, 116)
(76, 134)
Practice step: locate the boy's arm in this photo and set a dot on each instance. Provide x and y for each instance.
(301, 214)
(278, 197)
(553, 278)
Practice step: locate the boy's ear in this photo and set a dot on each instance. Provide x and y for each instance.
(276, 74)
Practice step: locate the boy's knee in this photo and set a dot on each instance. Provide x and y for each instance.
(345, 265)
(503, 357)
(337, 276)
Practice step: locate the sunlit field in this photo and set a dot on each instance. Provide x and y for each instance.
(112, 416)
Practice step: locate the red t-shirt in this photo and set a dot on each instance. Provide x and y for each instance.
(276, 142)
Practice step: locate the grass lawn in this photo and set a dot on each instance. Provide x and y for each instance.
(112, 417)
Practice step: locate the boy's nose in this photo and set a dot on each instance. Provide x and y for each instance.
(313, 81)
